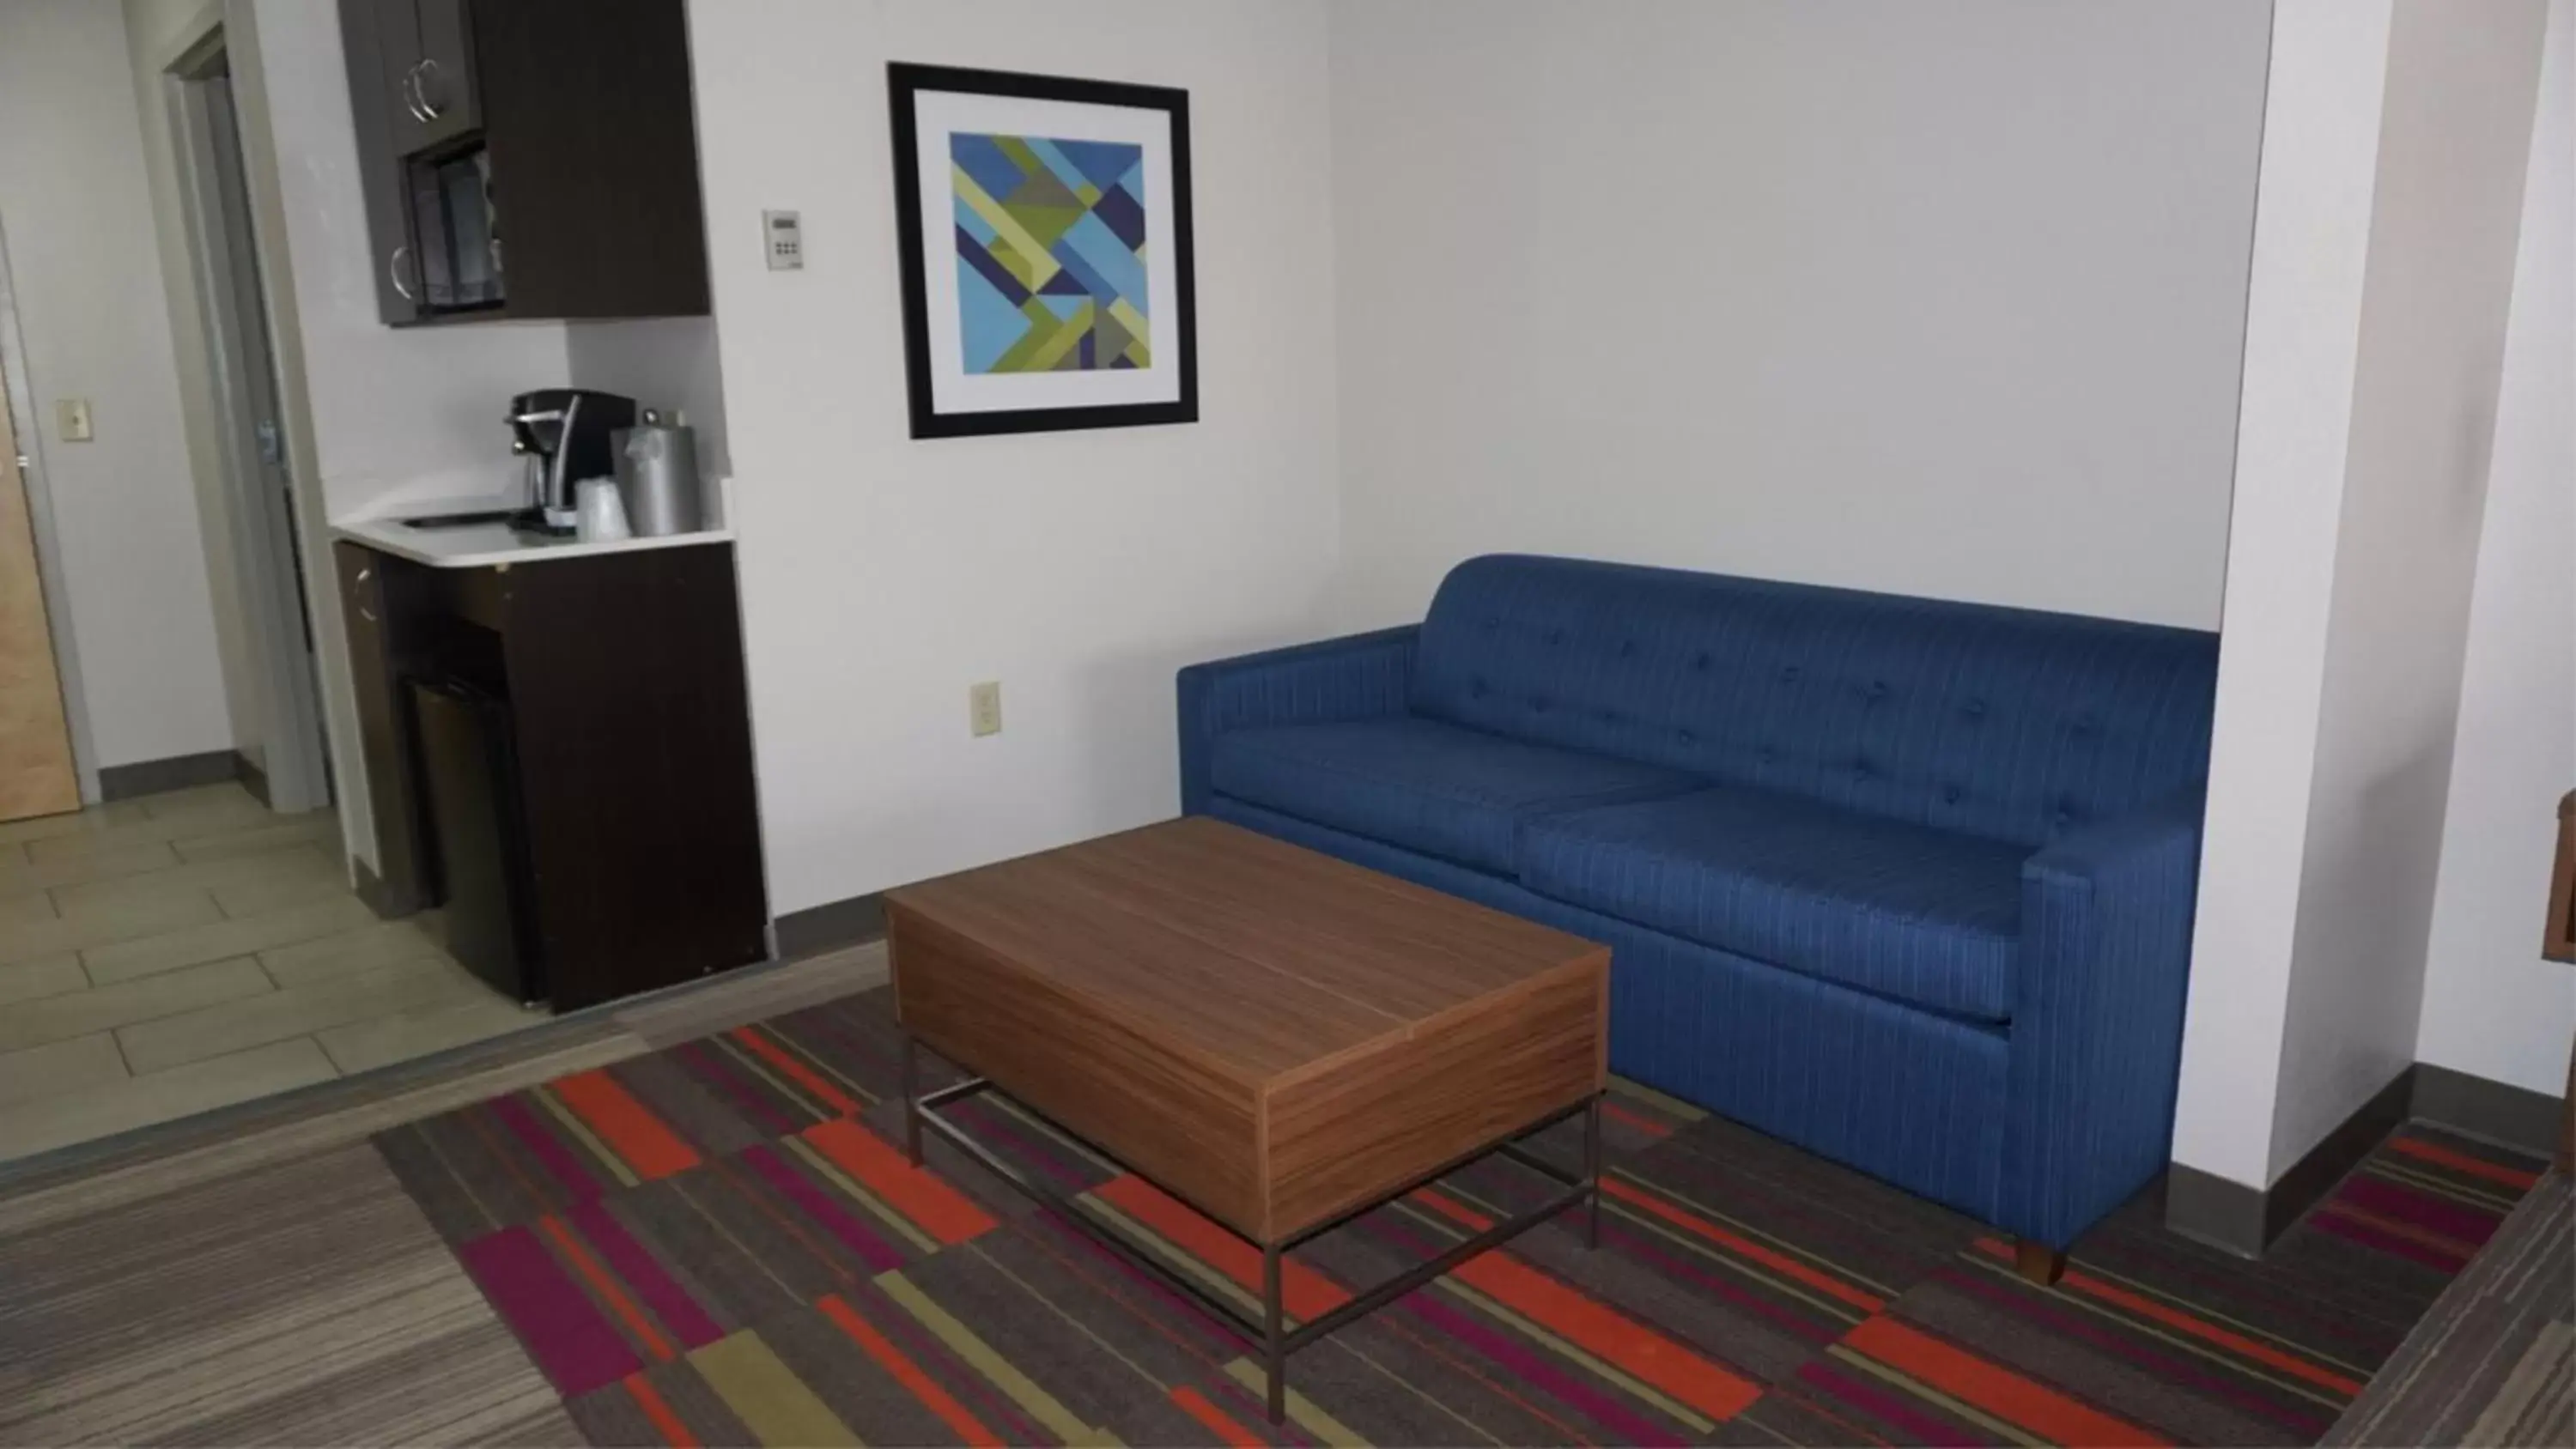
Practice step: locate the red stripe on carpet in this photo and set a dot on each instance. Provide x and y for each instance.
(1597, 1329)
(1307, 1293)
(905, 1372)
(796, 1071)
(658, 1413)
(2512, 1177)
(943, 1211)
(1991, 1387)
(634, 1134)
(1196, 1405)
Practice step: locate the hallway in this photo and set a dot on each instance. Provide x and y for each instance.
(175, 953)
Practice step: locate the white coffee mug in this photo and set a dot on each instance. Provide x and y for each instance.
(600, 514)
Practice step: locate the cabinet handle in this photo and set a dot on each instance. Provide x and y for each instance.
(411, 97)
(361, 582)
(393, 271)
(421, 73)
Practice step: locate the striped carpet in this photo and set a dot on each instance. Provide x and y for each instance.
(720, 1243)
(2494, 1362)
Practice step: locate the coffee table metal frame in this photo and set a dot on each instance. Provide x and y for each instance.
(1276, 1342)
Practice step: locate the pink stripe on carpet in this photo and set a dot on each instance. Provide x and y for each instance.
(563, 1331)
(559, 1162)
(2369, 1237)
(626, 1258)
(2420, 1209)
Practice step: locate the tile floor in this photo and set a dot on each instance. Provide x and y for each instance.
(181, 952)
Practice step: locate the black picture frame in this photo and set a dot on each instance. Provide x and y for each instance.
(904, 82)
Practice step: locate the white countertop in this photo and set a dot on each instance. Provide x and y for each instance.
(480, 545)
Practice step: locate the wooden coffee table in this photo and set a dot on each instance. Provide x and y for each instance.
(1280, 1039)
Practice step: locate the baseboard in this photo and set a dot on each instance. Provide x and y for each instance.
(2340, 1151)
(2221, 1212)
(2245, 1221)
(252, 777)
(388, 903)
(2498, 1112)
(153, 777)
(829, 927)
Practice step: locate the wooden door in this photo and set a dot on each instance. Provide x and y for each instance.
(36, 774)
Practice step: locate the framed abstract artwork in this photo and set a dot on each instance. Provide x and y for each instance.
(1044, 228)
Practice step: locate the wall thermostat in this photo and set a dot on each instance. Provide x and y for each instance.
(785, 236)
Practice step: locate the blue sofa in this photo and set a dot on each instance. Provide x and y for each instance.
(1907, 883)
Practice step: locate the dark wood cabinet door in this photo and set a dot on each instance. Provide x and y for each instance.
(586, 109)
(442, 88)
(375, 598)
(391, 261)
(426, 62)
(633, 725)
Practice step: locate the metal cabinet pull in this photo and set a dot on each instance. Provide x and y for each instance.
(430, 110)
(393, 271)
(411, 96)
(361, 582)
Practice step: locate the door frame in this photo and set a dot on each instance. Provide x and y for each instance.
(248, 386)
(36, 481)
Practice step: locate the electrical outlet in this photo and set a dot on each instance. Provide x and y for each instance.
(984, 707)
(71, 419)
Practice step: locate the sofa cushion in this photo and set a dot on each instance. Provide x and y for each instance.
(1923, 916)
(2006, 723)
(1431, 787)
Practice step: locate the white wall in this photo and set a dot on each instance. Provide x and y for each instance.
(670, 363)
(1934, 299)
(2329, 65)
(76, 215)
(2455, 140)
(2492, 1006)
(882, 576)
(2368, 413)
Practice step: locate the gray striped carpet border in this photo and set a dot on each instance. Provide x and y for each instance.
(306, 1302)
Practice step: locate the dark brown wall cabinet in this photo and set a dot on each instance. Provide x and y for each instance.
(527, 159)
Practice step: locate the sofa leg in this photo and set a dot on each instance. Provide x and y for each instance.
(2038, 1262)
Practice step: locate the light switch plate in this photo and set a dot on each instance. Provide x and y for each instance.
(984, 707)
(71, 419)
(785, 235)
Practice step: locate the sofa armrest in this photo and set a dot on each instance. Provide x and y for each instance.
(1358, 676)
(2097, 1017)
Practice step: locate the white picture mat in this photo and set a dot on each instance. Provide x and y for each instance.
(939, 114)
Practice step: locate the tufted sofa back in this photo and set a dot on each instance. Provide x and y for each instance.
(2003, 723)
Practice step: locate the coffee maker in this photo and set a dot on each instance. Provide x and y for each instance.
(564, 434)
